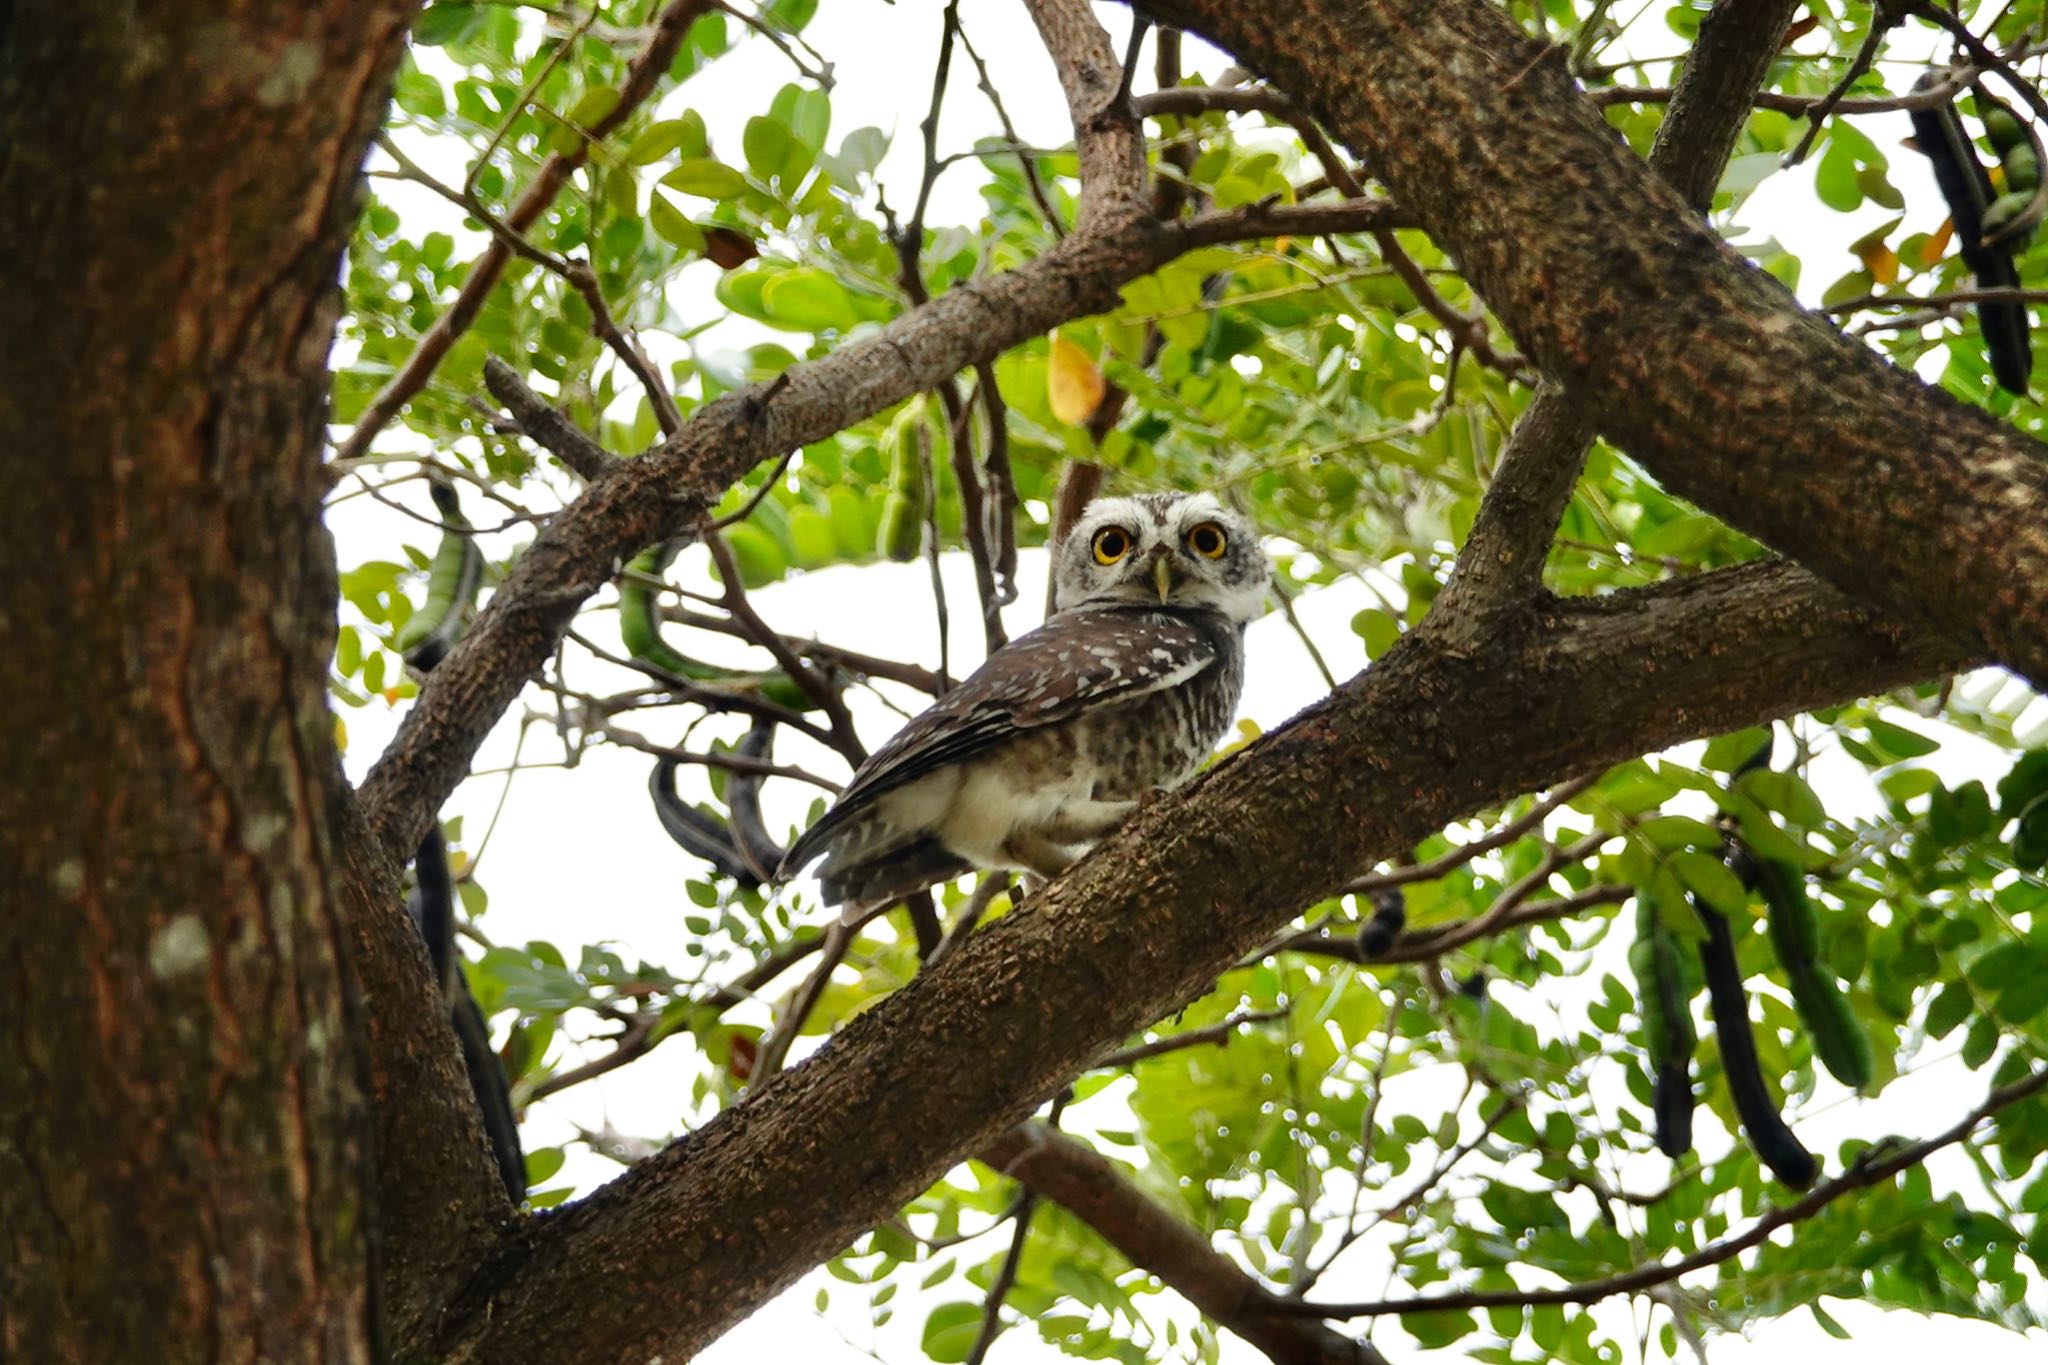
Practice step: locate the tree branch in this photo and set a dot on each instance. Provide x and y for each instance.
(714, 1225)
(1892, 490)
(543, 425)
(1081, 1180)
(1502, 560)
(1876, 1164)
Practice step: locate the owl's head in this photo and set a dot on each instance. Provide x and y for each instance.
(1171, 549)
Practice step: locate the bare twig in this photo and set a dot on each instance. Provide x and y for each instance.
(584, 280)
(1032, 182)
(1220, 1032)
(642, 1035)
(1447, 863)
(775, 1046)
(1876, 1164)
(1883, 19)
(543, 425)
(759, 495)
(844, 738)
(999, 1288)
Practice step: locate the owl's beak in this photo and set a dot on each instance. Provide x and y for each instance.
(1162, 575)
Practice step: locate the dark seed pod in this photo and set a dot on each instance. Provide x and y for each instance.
(1389, 917)
(1774, 1143)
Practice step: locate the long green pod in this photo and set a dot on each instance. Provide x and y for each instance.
(900, 534)
(640, 632)
(1774, 1143)
(1838, 1042)
(1665, 1005)
(453, 576)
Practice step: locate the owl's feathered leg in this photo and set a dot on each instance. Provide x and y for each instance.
(1084, 822)
(1033, 851)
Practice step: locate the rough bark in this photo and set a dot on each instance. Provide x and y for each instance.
(1680, 349)
(703, 1233)
(181, 1118)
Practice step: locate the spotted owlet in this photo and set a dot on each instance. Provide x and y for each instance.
(1052, 742)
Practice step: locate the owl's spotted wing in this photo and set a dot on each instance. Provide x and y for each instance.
(1078, 660)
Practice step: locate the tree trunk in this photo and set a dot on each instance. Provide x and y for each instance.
(182, 1169)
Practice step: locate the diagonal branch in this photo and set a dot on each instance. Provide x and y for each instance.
(1679, 348)
(1502, 560)
(970, 1046)
(1088, 1185)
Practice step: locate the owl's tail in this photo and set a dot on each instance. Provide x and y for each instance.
(859, 888)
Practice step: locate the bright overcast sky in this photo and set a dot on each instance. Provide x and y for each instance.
(577, 855)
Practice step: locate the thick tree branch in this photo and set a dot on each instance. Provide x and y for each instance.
(1502, 561)
(713, 1226)
(1679, 348)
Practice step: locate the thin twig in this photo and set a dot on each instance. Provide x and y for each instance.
(815, 687)
(931, 554)
(584, 280)
(1006, 1278)
(1219, 1032)
(1446, 863)
(758, 496)
(1874, 1165)
(1024, 157)
(1882, 21)
(775, 1046)
(637, 1042)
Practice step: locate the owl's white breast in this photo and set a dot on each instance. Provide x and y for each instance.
(999, 796)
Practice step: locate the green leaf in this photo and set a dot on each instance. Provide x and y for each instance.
(1378, 629)
(767, 143)
(706, 178)
(1834, 179)
(1707, 877)
(445, 23)
(581, 117)
(1897, 742)
(671, 226)
(950, 1331)
(682, 138)
(807, 300)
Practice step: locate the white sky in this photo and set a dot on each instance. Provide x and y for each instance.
(577, 855)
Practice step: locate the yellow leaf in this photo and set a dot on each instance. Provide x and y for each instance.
(1936, 245)
(1881, 261)
(1073, 384)
(340, 735)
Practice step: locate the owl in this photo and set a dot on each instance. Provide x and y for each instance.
(1052, 743)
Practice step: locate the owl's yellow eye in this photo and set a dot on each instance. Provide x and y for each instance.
(1111, 544)
(1207, 540)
